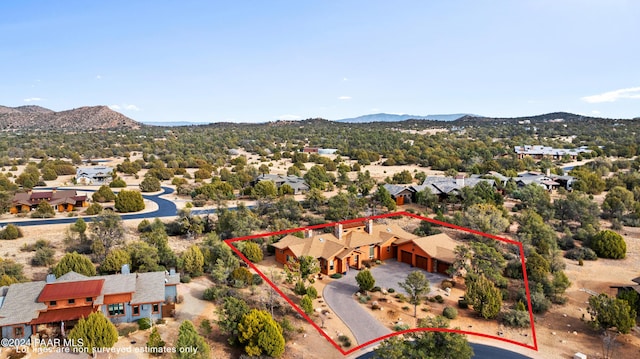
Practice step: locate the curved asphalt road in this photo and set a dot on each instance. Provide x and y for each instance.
(480, 351)
(166, 208)
(338, 294)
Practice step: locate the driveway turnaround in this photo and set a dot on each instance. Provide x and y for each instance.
(391, 272)
(339, 295)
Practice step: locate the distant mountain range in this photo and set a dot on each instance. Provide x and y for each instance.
(386, 117)
(78, 119)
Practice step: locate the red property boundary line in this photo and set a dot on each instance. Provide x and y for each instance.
(395, 214)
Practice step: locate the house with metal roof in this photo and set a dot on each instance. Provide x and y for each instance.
(48, 307)
(95, 175)
(298, 184)
(540, 152)
(351, 244)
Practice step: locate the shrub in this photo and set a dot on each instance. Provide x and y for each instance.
(363, 299)
(439, 299)
(299, 288)
(406, 308)
(376, 289)
(94, 209)
(516, 318)
(346, 342)
(306, 304)
(11, 231)
(450, 312)
(375, 305)
(336, 276)
(400, 326)
(446, 284)
(253, 252)
(185, 278)
(216, 293)
(241, 277)
(463, 303)
(43, 257)
(581, 253)
(312, 292)
(391, 290)
(608, 244)
(256, 279)
(144, 323)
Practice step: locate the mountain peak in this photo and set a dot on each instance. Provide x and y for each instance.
(79, 119)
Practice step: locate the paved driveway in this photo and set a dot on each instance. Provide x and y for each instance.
(388, 274)
(338, 294)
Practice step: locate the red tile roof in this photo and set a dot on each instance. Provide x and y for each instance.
(58, 315)
(71, 290)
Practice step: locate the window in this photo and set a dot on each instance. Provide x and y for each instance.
(18, 332)
(115, 309)
(156, 308)
(331, 264)
(88, 299)
(371, 251)
(388, 249)
(71, 301)
(53, 303)
(136, 310)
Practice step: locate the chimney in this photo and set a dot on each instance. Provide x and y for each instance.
(50, 278)
(460, 180)
(368, 226)
(172, 271)
(308, 233)
(125, 269)
(54, 189)
(338, 231)
(548, 172)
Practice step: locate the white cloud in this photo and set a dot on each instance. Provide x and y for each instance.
(613, 96)
(98, 77)
(32, 99)
(288, 117)
(345, 79)
(344, 98)
(124, 107)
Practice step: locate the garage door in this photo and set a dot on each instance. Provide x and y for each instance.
(405, 257)
(422, 262)
(443, 267)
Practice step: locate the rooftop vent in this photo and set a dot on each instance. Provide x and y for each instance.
(125, 269)
(50, 278)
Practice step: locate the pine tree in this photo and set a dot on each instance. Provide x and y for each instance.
(74, 262)
(483, 295)
(261, 334)
(193, 260)
(155, 343)
(190, 344)
(129, 201)
(94, 332)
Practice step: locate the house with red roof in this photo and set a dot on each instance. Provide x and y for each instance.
(62, 200)
(47, 308)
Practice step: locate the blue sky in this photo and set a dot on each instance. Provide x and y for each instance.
(256, 61)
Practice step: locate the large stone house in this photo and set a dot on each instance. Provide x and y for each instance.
(49, 307)
(352, 243)
(62, 200)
